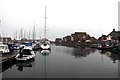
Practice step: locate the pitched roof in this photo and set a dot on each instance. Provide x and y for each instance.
(80, 32)
(115, 34)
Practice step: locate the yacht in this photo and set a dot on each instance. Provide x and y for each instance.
(45, 44)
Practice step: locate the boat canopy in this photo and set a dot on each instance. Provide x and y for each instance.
(27, 43)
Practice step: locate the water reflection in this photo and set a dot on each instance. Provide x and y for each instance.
(22, 65)
(113, 56)
(82, 52)
(45, 52)
(102, 51)
(86, 51)
(7, 65)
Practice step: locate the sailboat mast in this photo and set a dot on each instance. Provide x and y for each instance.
(21, 33)
(29, 34)
(24, 33)
(45, 21)
(15, 35)
(34, 33)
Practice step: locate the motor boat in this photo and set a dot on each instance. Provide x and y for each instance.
(36, 46)
(25, 54)
(4, 48)
(16, 46)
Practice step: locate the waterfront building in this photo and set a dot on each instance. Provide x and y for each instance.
(113, 38)
(102, 38)
(5, 39)
(93, 40)
(79, 36)
(58, 41)
(77, 39)
(67, 40)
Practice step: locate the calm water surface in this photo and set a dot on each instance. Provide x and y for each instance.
(66, 62)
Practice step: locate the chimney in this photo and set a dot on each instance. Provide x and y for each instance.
(113, 29)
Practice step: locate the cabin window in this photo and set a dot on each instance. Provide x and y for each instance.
(2, 47)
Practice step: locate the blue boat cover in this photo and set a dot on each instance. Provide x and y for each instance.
(27, 43)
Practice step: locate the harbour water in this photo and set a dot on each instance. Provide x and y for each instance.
(66, 62)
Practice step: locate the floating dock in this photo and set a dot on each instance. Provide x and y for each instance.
(7, 57)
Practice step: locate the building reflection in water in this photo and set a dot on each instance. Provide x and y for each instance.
(85, 51)
(82, 51)
(113, 56)
(22, 65)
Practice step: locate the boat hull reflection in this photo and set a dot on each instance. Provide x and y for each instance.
(22, 65)
(45, 52)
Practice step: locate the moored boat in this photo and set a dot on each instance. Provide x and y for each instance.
(106, 47)
(45, 45)
(25, 54)
(4, 48)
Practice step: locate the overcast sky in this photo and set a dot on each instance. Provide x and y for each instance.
(96, 17)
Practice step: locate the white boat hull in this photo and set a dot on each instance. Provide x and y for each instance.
(4, 48)
(48, 47)
(24, 57)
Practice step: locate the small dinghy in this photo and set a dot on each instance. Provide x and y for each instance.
(26, 53)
